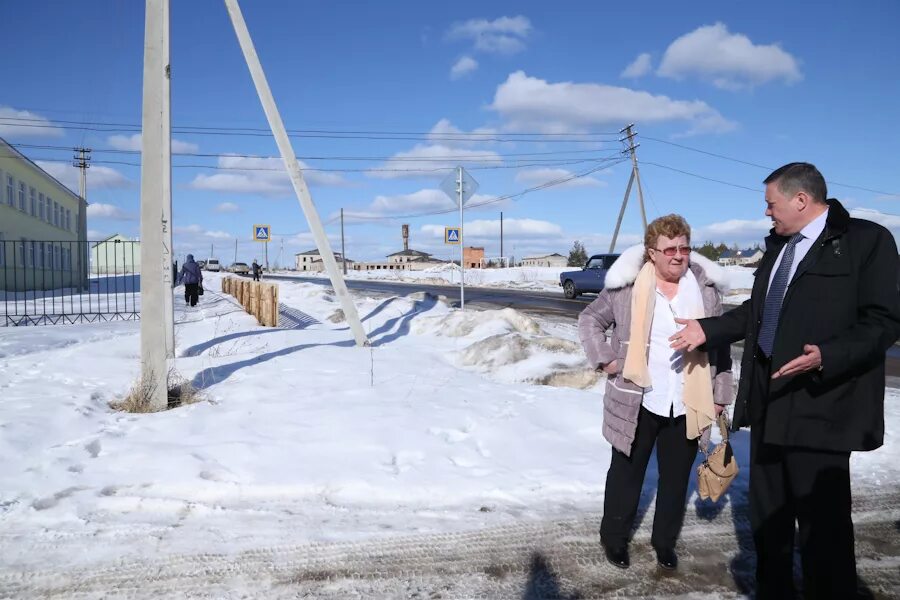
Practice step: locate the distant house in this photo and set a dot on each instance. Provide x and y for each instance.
(548, 260)
(746, 256)
(115, 255)
(311, 260)
(405, 260)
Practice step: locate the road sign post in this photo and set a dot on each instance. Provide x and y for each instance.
(460, 186)
(263, 233)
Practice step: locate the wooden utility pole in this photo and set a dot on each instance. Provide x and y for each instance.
(635, 176)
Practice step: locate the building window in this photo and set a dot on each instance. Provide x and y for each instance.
(20, 254)
(41, 214)
(10, 191)
(32, 201)
(68, 220)
(22, 196)
(49, 212)
(31, 254)
(40, 255)
(55, 213)
(55, 256)
(2, 251)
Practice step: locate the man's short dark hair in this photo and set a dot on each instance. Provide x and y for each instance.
(797, 177)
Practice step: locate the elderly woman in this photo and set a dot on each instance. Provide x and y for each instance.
(655, 396)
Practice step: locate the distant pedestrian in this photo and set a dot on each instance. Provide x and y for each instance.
(256, 270)
(192, 278)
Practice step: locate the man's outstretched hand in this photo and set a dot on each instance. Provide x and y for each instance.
(690, 337)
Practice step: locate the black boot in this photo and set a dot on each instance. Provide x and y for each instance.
(667, 558)
(617, 557)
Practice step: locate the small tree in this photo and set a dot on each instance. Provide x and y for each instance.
(577, 255)
(709, 251)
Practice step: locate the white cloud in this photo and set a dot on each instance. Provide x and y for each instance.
(445, 132)
(727, 60)
(227, 207)
(196, 232)
(541, 176)
(133, 142)
(98, 176)
(258, 175)
(422, 201)
(732, 231)
(890, 221)
(433, 160)
(638, 68)
(108, 211)
(22, 123)
(512, 229)
(504, 35)
(463, 66)
(532, 104)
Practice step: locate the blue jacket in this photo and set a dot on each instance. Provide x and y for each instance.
(190, 273)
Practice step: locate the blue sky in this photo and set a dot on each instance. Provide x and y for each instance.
(520, 93)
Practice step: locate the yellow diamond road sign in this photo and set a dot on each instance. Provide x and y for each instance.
(452, 235)
(262, 233)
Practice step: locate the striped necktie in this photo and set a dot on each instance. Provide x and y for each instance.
(772, 309)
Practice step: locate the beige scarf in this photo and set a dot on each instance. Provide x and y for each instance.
(698, 393)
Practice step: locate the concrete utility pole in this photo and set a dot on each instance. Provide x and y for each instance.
(343, 255)
(293, 169)
(166, 149)
(635, 176)
(462, 248)
(501, 240)
(154, 169)
(82, 160)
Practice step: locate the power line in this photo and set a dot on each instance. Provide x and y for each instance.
(736, 185)
(768, 168)
(548, 184)
(588, 137)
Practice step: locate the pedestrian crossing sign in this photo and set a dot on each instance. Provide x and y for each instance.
(262, 233)
(452, 235)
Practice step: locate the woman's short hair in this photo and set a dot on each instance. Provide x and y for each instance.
(671, 226)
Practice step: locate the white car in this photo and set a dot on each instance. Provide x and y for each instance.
(213, 265)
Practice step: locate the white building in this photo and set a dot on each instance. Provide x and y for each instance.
(116, 255)
(311, 260)
(548, 260)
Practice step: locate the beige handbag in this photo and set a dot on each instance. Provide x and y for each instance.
(720, 467)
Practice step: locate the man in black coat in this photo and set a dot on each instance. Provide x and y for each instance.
(823, 312)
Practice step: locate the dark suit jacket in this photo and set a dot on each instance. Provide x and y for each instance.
(842, 298)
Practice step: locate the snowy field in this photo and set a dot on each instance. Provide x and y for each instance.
(451, 424)
(544, 279)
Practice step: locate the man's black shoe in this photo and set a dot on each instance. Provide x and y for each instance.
(667, 559)
(617, 557)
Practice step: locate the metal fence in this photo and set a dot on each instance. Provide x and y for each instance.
(56, 282)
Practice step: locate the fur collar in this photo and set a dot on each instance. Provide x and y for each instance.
(625, 270)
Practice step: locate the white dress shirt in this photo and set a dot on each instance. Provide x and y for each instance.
(665, 395)
(811, 233)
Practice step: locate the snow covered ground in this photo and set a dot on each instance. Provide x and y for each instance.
(545, 279)
(450, 423)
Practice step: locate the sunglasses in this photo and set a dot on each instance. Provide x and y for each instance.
(672, 250)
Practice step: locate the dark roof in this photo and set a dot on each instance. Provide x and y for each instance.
(410, 253)
(312, 252)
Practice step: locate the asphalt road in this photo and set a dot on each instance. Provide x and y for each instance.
(542, 303)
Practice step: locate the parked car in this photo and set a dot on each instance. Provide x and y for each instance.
(213, 265)
(239, 267)
(590, 278)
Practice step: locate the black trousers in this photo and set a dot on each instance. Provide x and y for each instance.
(675, 455)
(791, 486)
(190, 293)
